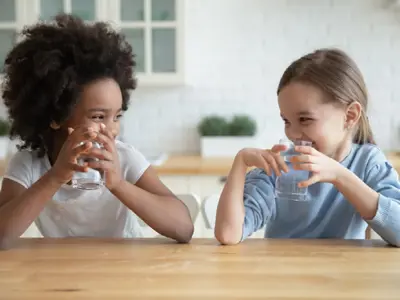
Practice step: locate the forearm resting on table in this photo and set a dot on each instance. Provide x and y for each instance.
(165, 214)
(230, 211)
(18, 213)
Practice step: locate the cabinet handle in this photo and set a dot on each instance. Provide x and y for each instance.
(223, 179)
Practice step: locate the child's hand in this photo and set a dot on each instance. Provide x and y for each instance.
(269, 160)
(324, 168)
(108, 158)
(66, 163)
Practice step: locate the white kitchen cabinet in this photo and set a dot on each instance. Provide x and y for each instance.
(12, 19)
(154, 28)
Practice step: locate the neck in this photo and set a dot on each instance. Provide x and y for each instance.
(343, 150)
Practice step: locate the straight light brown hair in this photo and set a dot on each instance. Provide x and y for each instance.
(338, 76)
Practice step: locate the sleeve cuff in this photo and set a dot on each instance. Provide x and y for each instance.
(17, 180)
(246, 230)
(384, 204)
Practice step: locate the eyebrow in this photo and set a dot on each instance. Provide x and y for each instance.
(300, 113)
(102, 110)
(304, 113)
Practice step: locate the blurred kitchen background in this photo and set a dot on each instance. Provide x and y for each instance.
(202, 58)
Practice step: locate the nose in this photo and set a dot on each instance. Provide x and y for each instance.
(294, 134)
(113, 127)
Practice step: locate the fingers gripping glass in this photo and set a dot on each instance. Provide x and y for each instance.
(286, 185)
(92, 179)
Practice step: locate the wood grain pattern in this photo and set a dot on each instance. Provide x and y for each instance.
(161, 269)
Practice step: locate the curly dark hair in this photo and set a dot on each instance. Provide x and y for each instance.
(45, 73)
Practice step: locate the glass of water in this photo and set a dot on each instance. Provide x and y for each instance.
(92, 179)
(286, 185)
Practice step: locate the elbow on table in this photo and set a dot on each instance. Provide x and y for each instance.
(394, 242)
(185, 236)
(391, 237)
(226, 236)
(6, 242)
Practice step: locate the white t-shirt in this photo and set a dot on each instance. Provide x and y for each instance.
(72, 212)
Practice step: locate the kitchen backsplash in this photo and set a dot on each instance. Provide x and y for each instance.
(236, 51)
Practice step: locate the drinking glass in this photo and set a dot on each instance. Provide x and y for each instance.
(286, 185)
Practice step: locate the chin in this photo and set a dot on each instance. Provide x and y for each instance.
(320, 149)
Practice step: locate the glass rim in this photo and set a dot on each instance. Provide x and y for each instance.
(285, 141)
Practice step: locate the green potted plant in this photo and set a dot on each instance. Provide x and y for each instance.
(222, 137)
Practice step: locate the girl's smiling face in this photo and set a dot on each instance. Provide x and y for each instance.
(100, 102)
(309, 116)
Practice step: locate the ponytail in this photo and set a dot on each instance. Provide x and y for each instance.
(364, 133)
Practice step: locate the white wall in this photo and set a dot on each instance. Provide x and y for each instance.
(236, 51)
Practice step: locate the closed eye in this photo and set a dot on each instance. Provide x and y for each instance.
(98, 117)
(305, 120)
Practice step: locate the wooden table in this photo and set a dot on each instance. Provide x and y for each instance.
(161, 269)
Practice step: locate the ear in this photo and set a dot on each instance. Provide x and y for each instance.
(54, 125)
(353, 114)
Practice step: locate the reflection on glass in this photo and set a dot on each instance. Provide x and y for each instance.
(7, 39)
(163, 10)
(7, 10)
(85, 9)
(132, 10)
(50, 8)
(163, 51)
(136, 38)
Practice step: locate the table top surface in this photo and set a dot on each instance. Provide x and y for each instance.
(161, 269)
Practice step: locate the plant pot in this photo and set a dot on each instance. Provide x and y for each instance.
(225, 146)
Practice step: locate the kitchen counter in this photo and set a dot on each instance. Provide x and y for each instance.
(195, 165)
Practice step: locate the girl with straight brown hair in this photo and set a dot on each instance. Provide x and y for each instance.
(323, 101)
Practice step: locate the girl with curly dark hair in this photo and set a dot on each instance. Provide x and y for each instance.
(67, 83)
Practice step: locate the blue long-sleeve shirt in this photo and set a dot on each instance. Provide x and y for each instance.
(327, 214)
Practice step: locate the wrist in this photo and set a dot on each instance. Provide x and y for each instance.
(239, 163)
(341, 177)
(117, 188)
(51, 178)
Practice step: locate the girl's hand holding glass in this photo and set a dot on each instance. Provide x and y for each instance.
(67, 163)
(322, 167)
(269, 160)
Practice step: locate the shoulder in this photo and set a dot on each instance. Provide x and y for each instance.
(22, 166)
(127, 150)
(124, 148)
(23, 157)
(371, 155)
(133, 162)
(367, 151)
(371, 161)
